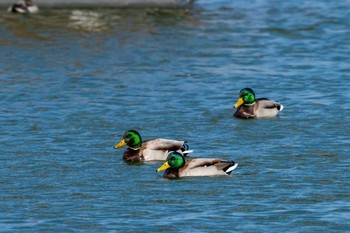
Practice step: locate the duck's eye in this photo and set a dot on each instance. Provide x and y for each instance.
(129, 138)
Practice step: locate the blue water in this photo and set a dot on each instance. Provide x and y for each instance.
(72, 81)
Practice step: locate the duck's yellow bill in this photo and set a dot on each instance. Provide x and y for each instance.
(120, 144)
(239, 102)
(163, 167)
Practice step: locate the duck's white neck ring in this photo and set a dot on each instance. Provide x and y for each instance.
(250, 104)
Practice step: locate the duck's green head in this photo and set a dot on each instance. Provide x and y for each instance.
(174, 160)
(131, 138)
(246, 96)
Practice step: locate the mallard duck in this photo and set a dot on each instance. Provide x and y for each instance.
(23, 6)
(177, 165)
(155, 149)
(249, 107)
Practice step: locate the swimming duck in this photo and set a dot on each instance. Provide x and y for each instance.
(23, 6)
(249, 107)
(154, 149)
(179, 166)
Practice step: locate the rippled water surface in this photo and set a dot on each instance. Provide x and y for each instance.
(72, 81)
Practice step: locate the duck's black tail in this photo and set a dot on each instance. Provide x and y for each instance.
(185, 149)
(231, 165)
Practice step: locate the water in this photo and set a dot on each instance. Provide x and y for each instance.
(72, 81)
